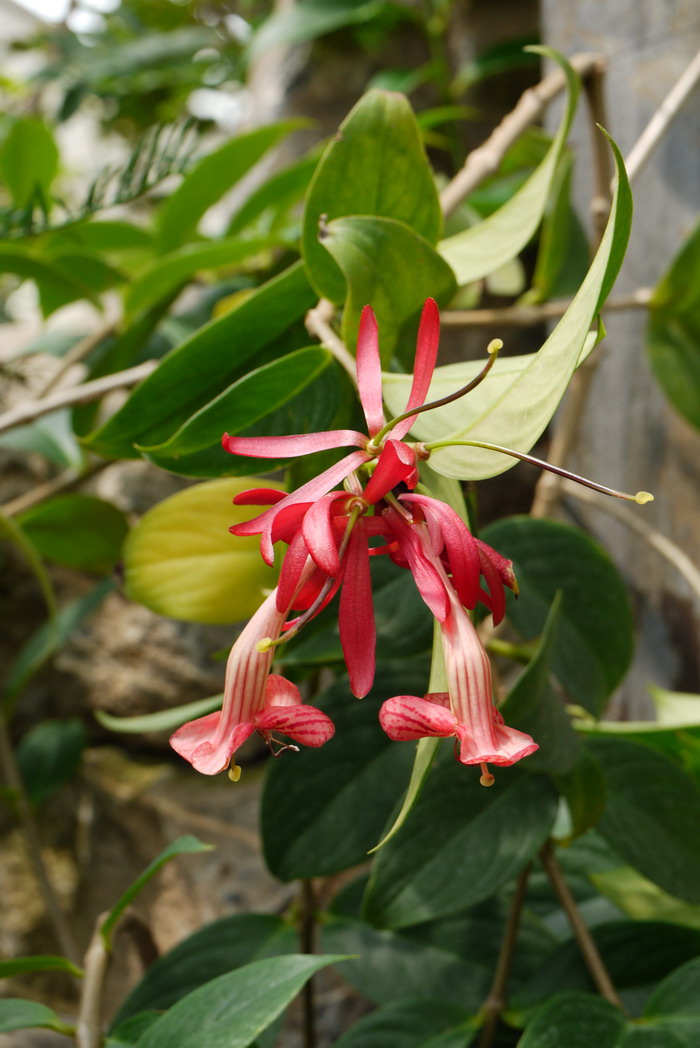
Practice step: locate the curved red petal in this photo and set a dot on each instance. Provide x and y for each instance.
(304, 724)
(259, 497)
(290, 447)
(396, 464)
(356, 614)
(460, 545)
(369, 371)
(320, 536)
(406, 718)
(424, 364)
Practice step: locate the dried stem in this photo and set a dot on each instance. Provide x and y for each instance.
(485, 160)
(307, 935)
(89, 1026)
(527, 316)
(318, 323)
(64, 481)
(79, 351)
(588, 948)
(85, 393)
(662, 119)
(496, 1000)
(62, 930)
(663, 545)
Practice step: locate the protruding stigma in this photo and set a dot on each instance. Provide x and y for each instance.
(486, 778)
(234, 772)
(642, 497)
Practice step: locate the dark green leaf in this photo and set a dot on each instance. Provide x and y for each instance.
(652, 815)
(230, 1012)
(29, 161)
(78, 530)
(583, 788)
(129, 1031)
(16, 1014)
(533, 706)
(311, 18)
(56, 285)
(50, 637)
(576, 1020)
(86, 267)
(375, 166)
(196, 372)
(162, 720)
(315, 815)
(217, 948)
(673, 332)
(388, 266)
(675, 1005)
(44, 963)
(461, 843)
(210, 179)
(183, 845)
(593, 647)
(49, 755)
(410, 1024)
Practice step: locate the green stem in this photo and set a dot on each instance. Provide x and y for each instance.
(496, 1000)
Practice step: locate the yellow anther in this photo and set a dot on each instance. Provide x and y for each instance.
(264, 644)
(494, 345)
(234, 773)
(642, 497)
(487, 779)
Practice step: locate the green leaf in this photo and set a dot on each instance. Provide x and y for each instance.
(388, 266)
(195, 373)
(461, 844)
(50, 436)
(375, 166)
(49, 755)
(230, 1012)
(673, 330)
(576, 1020)
(651, 816)
(484, 248)
(88, 268)
(594, 643)
(45, 963)
(675, 1005)
(80, 531)
(210, 179)
(273, 198)
(219, 947)
(56, 284)
(562, 257)
(171, 271)
(533, 706)
(640, 898)
(410, 1024)
(183, 845)
(51, 636)
(583, 790)
(520, 412)
(181, 561)
(309, 19)
(162, 720)
(108, 236)
(16, 1014)
(29, 161)
(315, 816)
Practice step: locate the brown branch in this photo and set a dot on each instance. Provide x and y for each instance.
(82, 394)
(317, 322)
(496, 1000)
(88, 1032)
(589, 950)
(527, 316)
(307, 935)
(69, 478)
(485, 160)
(78, 352)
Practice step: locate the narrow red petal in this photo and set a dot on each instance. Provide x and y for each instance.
(369, 371)
(426, 577)
(424, 364)
(290, 574)
(290, 447)
(406, 718)
(259, 497)
(320, 535)
(460, 544)
(304, 724)
(396, 463)
(356, 614)
(497, 596)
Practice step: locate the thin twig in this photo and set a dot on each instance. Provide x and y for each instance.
(635, 522)
(307, 936)
(662, 119)
(88, 1032)
(79, 351)
(603, 187)
(485, 160)
(496, 1000)
(82, 394)
(589, 950)
(317, 322)
(527, 316)
(64, 481)
(57, 917)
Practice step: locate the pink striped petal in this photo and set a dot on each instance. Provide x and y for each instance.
(304, 724)
(406, 718)
(507, 746)
(290, 447)
(320, 536)
(369, 371)
(396, 464)
(309, 492)
(197, 742)
(281, 692)
(460, 544)
(259, 497)
(424, 364)
(356, 614)
(290, 574)
(426, 577)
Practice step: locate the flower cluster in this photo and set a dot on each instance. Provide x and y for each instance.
(330, 534)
